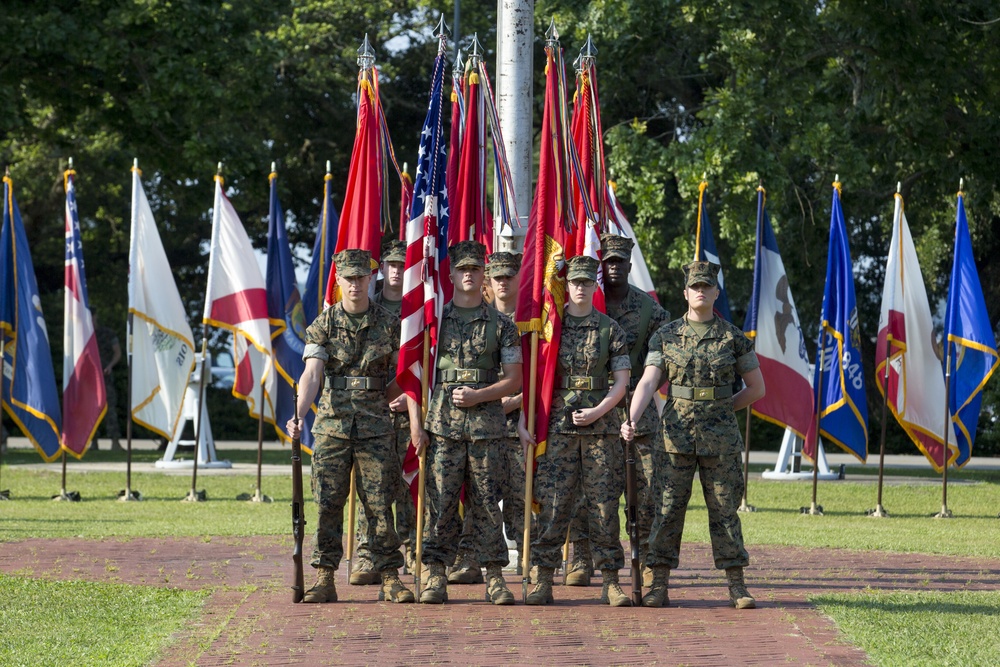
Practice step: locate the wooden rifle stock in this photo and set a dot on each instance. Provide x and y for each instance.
(298, 512)
(632, 509)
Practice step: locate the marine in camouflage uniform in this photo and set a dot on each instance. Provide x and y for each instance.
(467, 430)
(639, 316)
(393, 259)
(582, 447)
(355, 349)
(700, 359)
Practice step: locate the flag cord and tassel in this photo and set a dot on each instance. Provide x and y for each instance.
(126, 494)
(744, 505)
(193, 495)
(879, 511)
(422, 465)
(814, 509)
(945, 513)
(529, 467)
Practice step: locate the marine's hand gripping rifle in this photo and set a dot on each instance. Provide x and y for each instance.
(632, 508)
(298, 513)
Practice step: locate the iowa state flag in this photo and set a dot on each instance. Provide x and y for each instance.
(542, 296)
(30, 395)
(287, 318)
(905, 349)
(839, 380)
(705, 250)
(773, 324)
(84, 398)
(970, 343)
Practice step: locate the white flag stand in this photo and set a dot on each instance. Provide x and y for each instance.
(189, 413)
(790, 458)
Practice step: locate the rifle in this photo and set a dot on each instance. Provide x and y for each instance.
(298, 514)
(632, 508)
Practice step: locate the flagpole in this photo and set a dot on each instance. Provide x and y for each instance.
(193, 496)
(529, 467)
(5, 493)
(126, 494)
(814, 509)
(422, 464)
(744, 505)
(945, 513)
(258, 496)
(879, 511)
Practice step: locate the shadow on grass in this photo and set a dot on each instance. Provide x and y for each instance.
(869, 603)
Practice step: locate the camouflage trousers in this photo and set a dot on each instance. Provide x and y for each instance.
(510, 489)
(450, 464)
(722, 485)
(579, 529)
(378, 477)
(406, 513)
(571, 462)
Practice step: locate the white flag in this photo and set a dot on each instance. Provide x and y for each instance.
(162, 347)
(916, 381)
(237, 300)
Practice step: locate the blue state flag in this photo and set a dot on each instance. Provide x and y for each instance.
(322, 256)
(838, 378)
(970, 343)
(30, 395)
(287, 318)
(705, 250)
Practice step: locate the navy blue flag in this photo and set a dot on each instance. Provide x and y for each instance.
(838, 380)
(970, 343)
(288, 326)
(706, 251)
(30, 395)
(322, 257)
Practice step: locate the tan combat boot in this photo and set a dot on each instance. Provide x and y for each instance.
(466, 571)
(363, 573)
(739, 596)
(657, 595)
(582, 567)
(437, 585)
(324, 590)
(542, 593)
(393, 589)
(612, 592)
(496, 588)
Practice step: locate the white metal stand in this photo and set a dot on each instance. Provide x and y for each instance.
(189, 413)
(789, 461)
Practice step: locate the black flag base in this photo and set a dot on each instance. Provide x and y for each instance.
(814, 510)
(877, 512)
(5, 494)
(257, 497)
(746, 507)
(195, 496)
(129, 495)
(945, 513)
(68, 496)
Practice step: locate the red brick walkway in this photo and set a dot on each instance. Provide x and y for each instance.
(250, 619)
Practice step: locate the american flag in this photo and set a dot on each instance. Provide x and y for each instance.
(426, 247)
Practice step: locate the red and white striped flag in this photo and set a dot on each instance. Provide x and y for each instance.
(84, 397)
(236, 299)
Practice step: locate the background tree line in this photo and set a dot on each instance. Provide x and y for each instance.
(787, 94)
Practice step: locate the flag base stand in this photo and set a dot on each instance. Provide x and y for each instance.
(256, 497)
(746, 507)
(789, 464)
(945, 513)
(5, 494)
(812, 510)
(128, 495)
(206, 446)
(67, 496)
(877, 512)
(195, 496)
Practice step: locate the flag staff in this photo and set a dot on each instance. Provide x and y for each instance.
(71, 496)
(744, 505)
(126, 494)
(4, 494)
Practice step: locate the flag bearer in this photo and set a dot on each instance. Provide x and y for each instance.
(700, 355)
(355, 343)
(583, 449)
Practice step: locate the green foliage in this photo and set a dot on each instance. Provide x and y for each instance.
(919, 627)
(86, 623)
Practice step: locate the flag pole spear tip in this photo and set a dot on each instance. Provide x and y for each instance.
(552, 35)
(366, 54)
(459, 68)
(71, 162)
(441, 31)
(406, 168)
(961, 184)
(328, 166)
(218, 169)
(273, 166)
(135, 162)
(899, 187)
(589, 50)
(476, 48)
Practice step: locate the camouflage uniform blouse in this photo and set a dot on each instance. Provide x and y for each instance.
(579, 354)
(461, 343)
(704, 428)
(370, 351)
(629, 316)
(401, 420)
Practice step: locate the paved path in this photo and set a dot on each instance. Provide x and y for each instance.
(250, 619)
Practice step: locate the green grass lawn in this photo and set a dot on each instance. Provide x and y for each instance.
(84, 623)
